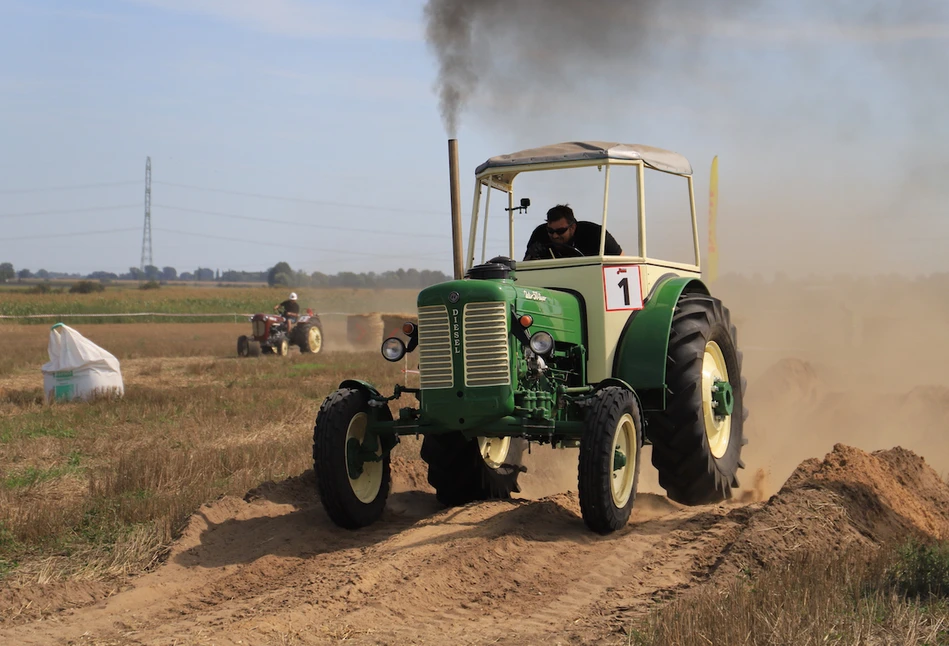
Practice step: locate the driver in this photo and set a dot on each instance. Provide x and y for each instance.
(562, 236)
(291, 309)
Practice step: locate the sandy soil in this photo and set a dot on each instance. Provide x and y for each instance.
(847, 445)
(272, 568)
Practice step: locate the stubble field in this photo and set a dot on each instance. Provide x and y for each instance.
(186, 512)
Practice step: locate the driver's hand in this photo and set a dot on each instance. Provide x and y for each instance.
(538, 251)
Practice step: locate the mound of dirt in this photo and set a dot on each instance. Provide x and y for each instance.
(850, 497)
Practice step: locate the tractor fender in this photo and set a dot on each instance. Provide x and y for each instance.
(613, 381)
(365, 386)
(644, 344)
(377, 403)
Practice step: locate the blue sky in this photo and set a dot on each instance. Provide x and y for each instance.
(321, 118)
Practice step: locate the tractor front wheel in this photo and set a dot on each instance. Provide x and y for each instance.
(253, 348)
(353, 478)
(242, 348)
(283, 347)
(697, 439)
(463, 470)
(609, 460)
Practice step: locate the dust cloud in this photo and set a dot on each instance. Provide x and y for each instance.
(853, 361)
(829, 118)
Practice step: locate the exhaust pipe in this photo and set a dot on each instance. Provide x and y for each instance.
(455, 188)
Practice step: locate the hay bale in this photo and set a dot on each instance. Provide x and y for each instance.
(364, 330)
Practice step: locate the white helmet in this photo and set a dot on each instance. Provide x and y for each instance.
(293, 296)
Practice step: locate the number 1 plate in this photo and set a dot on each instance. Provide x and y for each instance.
(623, 288)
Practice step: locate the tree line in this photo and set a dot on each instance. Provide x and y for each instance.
(281, 274)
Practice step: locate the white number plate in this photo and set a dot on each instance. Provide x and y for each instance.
(623, 288)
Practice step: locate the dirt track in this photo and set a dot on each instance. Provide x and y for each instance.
(273, 569)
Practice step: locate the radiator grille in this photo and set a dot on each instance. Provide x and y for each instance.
(487, 362)
(434, 344)
(260, 328)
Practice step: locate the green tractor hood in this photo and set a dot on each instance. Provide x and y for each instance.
(471, 343)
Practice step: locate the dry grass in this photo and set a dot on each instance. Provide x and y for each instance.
(857, 597)
(93, 489)
(177, 339)
(124, 341)
(202, 300)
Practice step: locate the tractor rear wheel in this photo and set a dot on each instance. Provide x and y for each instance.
(609, 460)
(353, 489)
(242, 348)
(463, 470)
(697, 439)
(310, 338)
(253, 348)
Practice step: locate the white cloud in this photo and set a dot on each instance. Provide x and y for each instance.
(302, 18)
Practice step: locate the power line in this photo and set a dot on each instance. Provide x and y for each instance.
(72, 187)
(314, 225)
(369, 207)
(69, 235)
(89, 209)
(292, 246)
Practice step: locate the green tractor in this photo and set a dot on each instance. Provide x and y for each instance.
(604, 353)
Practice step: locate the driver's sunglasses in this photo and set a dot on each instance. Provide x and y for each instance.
(560, 231)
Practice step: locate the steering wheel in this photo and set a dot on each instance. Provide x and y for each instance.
(547, 250)
(565, 251)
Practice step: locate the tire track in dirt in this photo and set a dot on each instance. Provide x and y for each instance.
(495, 570)
(506, 571)
(273, 569)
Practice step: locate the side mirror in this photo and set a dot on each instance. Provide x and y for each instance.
(525, 202)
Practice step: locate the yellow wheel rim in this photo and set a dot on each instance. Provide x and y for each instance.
(366, 486)
(284, 348)
(314, 339)
(625, 443)
(718, 428)
(494, 450)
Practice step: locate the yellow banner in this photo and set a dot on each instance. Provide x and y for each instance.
(712, 273)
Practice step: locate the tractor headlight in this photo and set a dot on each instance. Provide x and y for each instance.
(542, 343)
(393, 349)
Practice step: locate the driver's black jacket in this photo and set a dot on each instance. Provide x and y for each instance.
(290, 307)
(586, 240)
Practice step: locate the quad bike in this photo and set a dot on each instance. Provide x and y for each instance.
(269, 335)
(597, 352)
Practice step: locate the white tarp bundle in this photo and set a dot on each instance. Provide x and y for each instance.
(78, 368)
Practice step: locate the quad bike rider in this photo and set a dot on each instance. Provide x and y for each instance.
(276, 333)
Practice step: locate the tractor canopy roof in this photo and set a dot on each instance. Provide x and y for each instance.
(584, 151)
